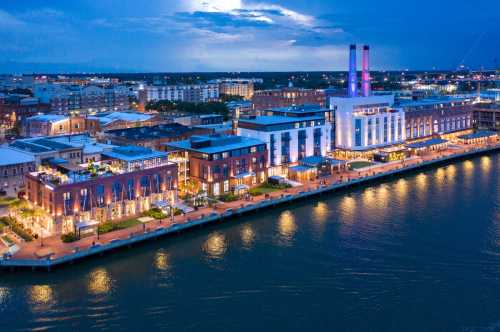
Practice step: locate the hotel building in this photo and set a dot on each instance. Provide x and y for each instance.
(289, 138)
(194, 93)
(124, 183)
(221, 164)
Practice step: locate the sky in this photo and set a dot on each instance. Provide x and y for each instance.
(240, 35)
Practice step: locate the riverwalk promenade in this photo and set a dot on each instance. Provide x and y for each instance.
(54, 252)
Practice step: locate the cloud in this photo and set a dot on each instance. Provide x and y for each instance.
(9, 21)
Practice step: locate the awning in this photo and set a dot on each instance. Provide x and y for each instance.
(161, 204)
(241, 187)
(244, 175)
(145, 220)
(85, 224)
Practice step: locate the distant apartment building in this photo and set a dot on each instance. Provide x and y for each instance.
(288, 138)
(152, 136)
(267, 99)
(87, 99)
(221, 164)
(193, 93)
(15, 108)
(126, 182)
(236, 87)
(200, 120)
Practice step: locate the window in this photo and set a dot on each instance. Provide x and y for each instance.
(226, 186)
(357, 132)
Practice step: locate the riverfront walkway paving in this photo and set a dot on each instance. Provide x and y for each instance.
(55, 248)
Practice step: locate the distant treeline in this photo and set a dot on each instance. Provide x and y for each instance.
(167, 106)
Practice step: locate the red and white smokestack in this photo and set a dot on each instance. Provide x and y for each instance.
(353, 75)
(365, 74)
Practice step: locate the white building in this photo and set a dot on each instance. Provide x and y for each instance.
(188, 93)
(365, 123)
(288, 139)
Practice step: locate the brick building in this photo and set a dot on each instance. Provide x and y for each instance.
(267, 99)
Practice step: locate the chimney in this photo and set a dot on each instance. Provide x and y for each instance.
(365, 74)
(353, 75)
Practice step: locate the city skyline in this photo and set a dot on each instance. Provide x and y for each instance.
(237, 35)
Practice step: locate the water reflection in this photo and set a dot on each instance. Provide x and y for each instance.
(162, 261)
(4, 295)
(215, 246)
(99, 282)
(40, 294)
(401, 189)
(485, 163)
(287, 227)
(247, 236)
(347, 205)
(320, 212)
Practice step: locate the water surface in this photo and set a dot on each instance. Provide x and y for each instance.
(415, 253)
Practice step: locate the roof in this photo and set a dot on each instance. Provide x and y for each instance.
(40, 145)
(89, 144)
(13, 157)
(430, 101)
(300, 168)
(217, 143)
(48, 117)
(133, 153)
(107, 118)
(276, 119)
(479, 134)
(315, 160)
(153, 132)
(426, 143)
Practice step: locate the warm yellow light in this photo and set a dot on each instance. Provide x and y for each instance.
(99, 282)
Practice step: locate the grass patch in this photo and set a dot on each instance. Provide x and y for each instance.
(17, 228)
(9, 241)
(359, 164)
(267, 188)
(110, 226)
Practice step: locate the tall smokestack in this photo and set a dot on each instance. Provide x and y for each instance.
(353, 75)
(365, 74)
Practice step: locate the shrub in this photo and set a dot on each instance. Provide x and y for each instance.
(155, 213)
(228, 197)
(69, 237)
(105, 227)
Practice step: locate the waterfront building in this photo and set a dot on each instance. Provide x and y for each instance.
(286, 97)
(365, 122)
(193, 93)
(153, 136)
(428, 145)
(479, 137)
(126, 182)
(289, 138)
(436, 116)
(487, 116)
(220, 164)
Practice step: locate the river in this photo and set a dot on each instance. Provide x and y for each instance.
(420, 252)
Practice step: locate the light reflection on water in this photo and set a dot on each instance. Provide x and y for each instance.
(162, 261)
(247, 236)
(99, 282)
(215, 246)
(40, 294)
(286, 228)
